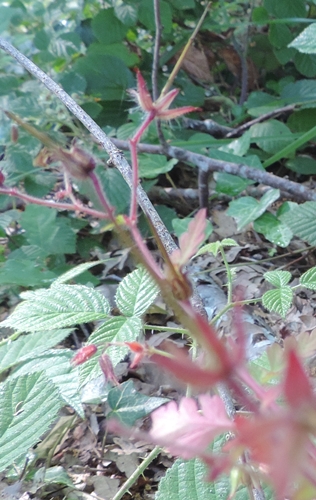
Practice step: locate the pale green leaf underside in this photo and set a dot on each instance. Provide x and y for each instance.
(59, 306)
(136, 293)
(186, 480)
(25, 346)
(57, 366)
(308, 279)
(278, 300)
(247, 209)
(76, 271)
(306, 41)
(28, 405)
(216, 245)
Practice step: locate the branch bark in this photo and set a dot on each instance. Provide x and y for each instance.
(299, 192)
(116, 156)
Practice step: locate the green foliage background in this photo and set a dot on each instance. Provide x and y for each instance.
(91, 49)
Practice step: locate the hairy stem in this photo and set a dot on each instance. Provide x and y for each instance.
(133, 149)
(140, 469)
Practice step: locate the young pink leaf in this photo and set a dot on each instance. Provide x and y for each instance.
(190, 241)
(297, 388)
(277, 444)
(179, 364)
(84, 354)
(108, 369)
(187, 431)
(160, 108)
(142, 95)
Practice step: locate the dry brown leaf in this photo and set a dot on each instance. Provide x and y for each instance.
(105, 487)
(196, 64)
(233, 63)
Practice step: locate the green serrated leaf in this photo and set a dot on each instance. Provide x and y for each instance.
(127, 405)
(262, 370)
(306, 41)
(273, 229)
(116, 329)
(180, 226)
(216, 245)
(61, 305)
(24, 272)
(136, 293)
(28, 406)
(186, 480)
(278, 300)
(44, 229)
(308, 279)
(247, 209)
(56, 475)
(76, 271)
(271, 136)
(278, 278)
(150, 166)
(126, 13)
(301, 221)
(61, 374)
(238, 147)
(230, 184)
(27, 346)
(107, 27)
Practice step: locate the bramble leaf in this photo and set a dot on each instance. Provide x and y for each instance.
(60, 305)
(308, 279)
(28, 406)
(190, 241)
(278, 300)
(136, 293)
(278, 278)
(128, 405)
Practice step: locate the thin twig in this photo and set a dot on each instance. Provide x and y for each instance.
(76, 207)
(208, 126)
(219, 131)
(246, 126)
(203, 177)
(179, 62)
(298, 191)
(241, 47)
(116, 156)
(155, 67)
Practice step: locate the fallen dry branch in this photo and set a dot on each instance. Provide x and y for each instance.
(296, 190)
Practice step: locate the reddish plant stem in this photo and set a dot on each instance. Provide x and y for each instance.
(147, 256)
(134, 159)
(109, 210)
(78, 206)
